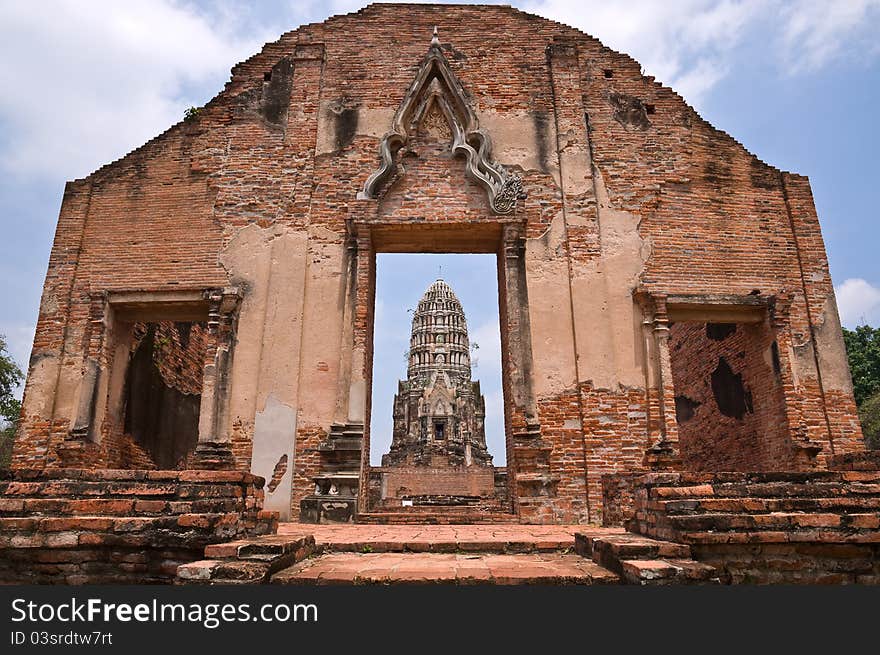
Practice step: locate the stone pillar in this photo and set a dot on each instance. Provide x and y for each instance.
(361, 357)
(79, 448)
(214, 448)
(359, 389)
(518, 346)
(805, 451)
(342, 413)
(665, 453)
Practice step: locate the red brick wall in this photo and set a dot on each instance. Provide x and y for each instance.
(711, 440)
(447, 481)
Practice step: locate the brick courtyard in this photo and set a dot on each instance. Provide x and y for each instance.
(506, 538)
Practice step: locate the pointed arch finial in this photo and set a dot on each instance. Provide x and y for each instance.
(436, 83)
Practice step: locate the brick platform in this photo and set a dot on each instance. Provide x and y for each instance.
(74, 526)
(511, 538)
(818, 527)
(249, 561)
(450, 568)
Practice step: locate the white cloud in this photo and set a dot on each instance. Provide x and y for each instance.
(858, 302)
(816, 32)
(85, 82)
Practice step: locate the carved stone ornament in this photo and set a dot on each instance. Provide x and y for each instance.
(435, 83)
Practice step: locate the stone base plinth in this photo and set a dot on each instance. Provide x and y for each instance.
(324, 509)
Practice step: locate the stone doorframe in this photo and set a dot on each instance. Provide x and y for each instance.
(659, 310)
(503, 237)
(104, 371)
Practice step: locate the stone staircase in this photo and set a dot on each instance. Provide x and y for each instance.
(473, 554)
(251, 561)
(812, 527)
(336, 484)
(400, 555)
(687, 528)
(643, 561)
(77, 526)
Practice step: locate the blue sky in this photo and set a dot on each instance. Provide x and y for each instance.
(798, 83)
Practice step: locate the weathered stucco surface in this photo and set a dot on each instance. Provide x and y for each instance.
(275, 439)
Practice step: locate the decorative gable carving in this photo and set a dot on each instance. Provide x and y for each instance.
(435, 86)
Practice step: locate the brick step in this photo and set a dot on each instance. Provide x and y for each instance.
(79, 526)
(737, 522)
(247, 561)
(691, 479)
(437, 568)
(610, 550)
(435, 504)
(450, 544)
(453, 515)
(494, 538)
(12, 506)
(668, 572)
(791, 536)
(771, 484)
(641, 560)
(751, 505)
(66, 489)
(180, 531)
(767, 490)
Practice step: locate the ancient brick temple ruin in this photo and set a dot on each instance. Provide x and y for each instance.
(665, 301)
(438, 454)
(439, 411)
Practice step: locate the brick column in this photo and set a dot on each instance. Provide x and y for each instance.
(665, 453)
(214, 449)
(518, 346)
(804, 450)
(824, 383)
(79, 448)
(359, 390)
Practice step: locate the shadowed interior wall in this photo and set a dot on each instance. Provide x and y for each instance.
(728, 397)
(163, 391)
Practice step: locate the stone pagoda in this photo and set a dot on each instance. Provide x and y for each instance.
(439, 411)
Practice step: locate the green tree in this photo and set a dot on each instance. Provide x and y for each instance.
(863, 351)
(10, 407)
(869, 413)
